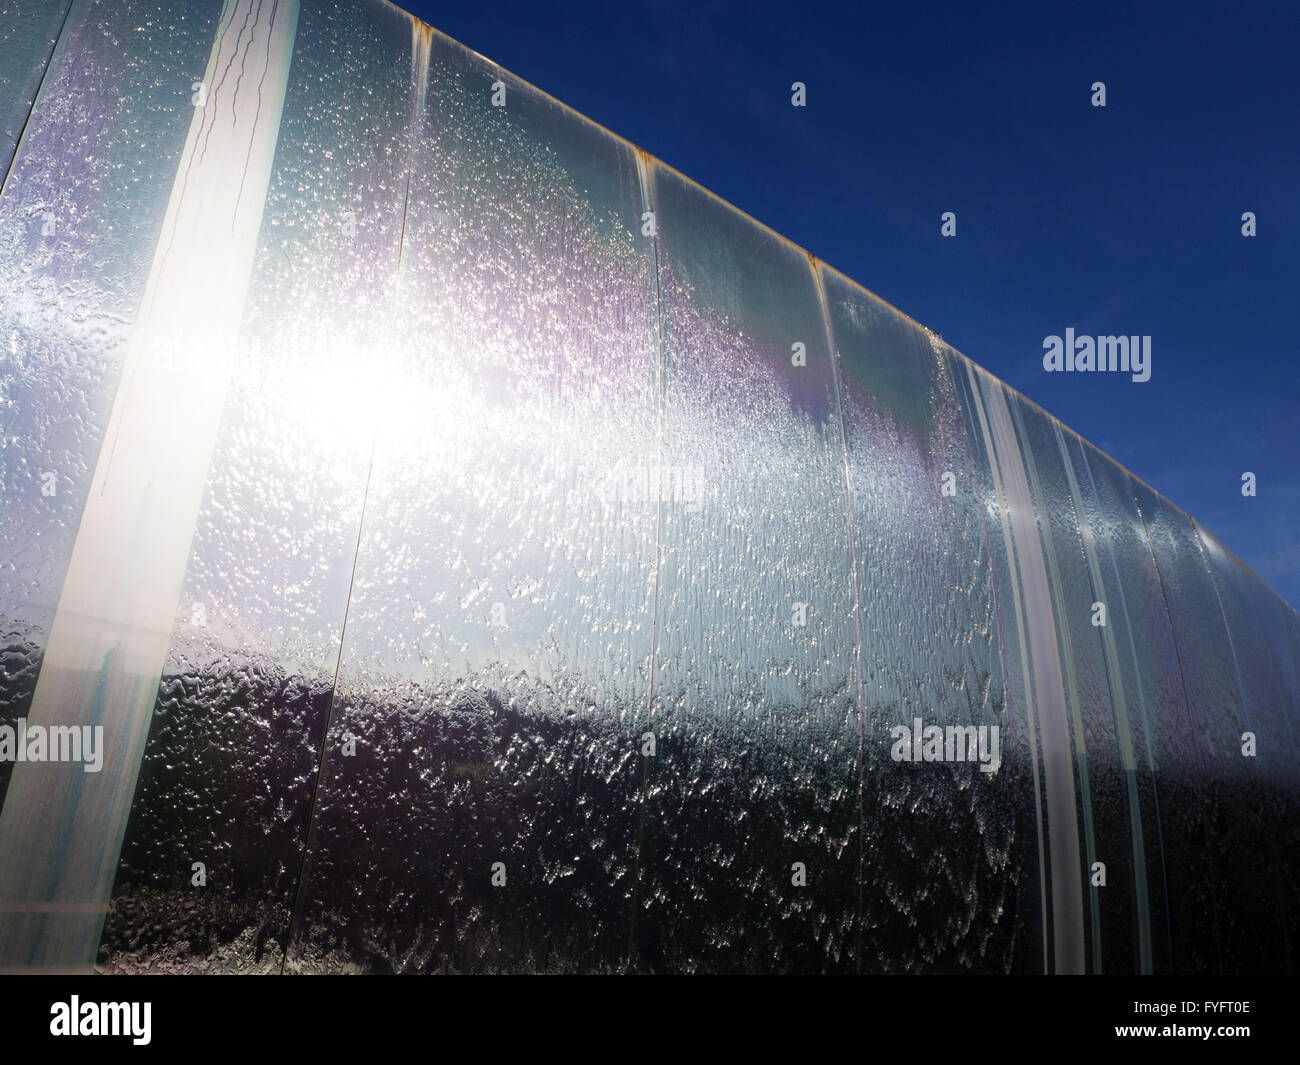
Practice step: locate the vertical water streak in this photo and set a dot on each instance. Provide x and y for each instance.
(421, 49)
(980, 421)
(1040, 662)
(30, 31)
(837, 384)
(1123, 728)
(645, 182)
(1057, 605)
(115, 618)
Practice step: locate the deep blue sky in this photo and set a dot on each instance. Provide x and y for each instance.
(1122, 220)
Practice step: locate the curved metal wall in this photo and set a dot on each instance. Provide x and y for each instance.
(482, 549)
